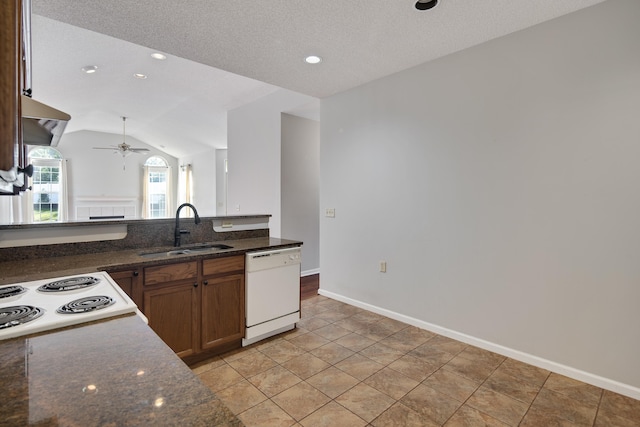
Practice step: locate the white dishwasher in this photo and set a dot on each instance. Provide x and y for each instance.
(272, 284)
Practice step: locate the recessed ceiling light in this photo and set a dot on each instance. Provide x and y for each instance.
(426, 4)
(90, 69)
(313, 59)
(140, 76)
(159, 56)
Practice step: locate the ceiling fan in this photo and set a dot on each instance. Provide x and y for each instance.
(123, 148)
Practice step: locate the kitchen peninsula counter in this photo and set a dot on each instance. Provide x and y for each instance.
(116, 373)
(36, 268)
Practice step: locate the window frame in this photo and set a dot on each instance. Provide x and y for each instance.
(54, 161)
(157, 208)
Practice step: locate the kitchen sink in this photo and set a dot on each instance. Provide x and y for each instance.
(195, 249)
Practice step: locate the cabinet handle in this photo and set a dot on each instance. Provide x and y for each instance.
(206, 282)
(195, 285)
(136, 274)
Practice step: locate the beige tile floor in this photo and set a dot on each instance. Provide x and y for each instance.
(344, 366)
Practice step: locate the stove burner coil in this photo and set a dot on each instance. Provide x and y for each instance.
(11, 291)
(18, 314)
(86, 304)
(70, 284)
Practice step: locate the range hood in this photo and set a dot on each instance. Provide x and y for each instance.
(41, 124)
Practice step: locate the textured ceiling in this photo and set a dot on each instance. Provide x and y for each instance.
(266, 40)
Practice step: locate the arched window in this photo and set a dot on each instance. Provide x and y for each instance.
(157, 188)
(48, 185)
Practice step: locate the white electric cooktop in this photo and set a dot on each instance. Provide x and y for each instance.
(43, 305)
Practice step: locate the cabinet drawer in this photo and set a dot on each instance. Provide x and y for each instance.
(215, 266)
(170, 273)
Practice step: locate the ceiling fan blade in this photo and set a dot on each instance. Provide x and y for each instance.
(139, 150)
(105, 148)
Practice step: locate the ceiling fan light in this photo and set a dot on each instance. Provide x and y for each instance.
(124, 149)
(159, 56)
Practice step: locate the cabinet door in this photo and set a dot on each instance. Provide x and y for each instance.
(128, 280)
(222, 310)
(172, 312)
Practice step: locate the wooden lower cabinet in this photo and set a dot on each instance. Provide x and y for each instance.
(222, 310)
(129, 280)
(196, 307)
(173, 315)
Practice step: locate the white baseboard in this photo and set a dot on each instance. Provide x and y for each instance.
(568, 371)
(310, 272)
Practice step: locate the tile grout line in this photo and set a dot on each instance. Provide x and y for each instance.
(534, 399)
(598, 408)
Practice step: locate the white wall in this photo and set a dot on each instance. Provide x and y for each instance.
(501, 186)
(301, 187)
(203, 173)
(99, 173)
(253, 137)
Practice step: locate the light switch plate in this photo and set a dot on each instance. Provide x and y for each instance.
(383, 266)
(330, 213)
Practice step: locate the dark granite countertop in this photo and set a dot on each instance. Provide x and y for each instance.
(58, 266)
(111, 373)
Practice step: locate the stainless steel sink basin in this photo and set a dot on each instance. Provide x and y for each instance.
(187, 250)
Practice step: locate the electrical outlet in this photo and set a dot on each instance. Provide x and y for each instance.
(383, 266)
(330, 213)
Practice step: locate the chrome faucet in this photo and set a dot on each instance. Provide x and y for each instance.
(178, 233)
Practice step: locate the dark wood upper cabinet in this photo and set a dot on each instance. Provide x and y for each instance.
(10, 82)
